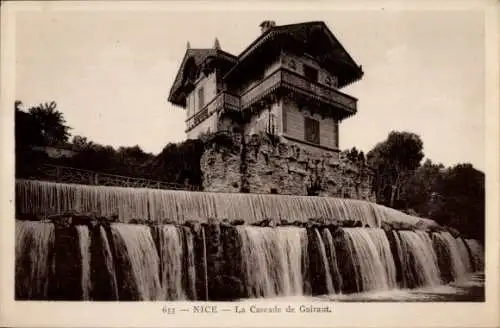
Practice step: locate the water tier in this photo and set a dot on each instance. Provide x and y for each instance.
(169, 206)
(223, 262)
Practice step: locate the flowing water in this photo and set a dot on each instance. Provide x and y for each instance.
(326, 264)
(418, 259)
(376, 269)
(180, 261)
(272, 260)
(109, 263)
(477, 254)
(336, 276)
(34, 263)
(42, 197)
(171, 256)
(84, 242)
(137, 245)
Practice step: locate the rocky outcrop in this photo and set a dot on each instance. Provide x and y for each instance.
(262, 164)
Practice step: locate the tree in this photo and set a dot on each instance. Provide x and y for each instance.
(394, 161)
(97, 158)
(355, 156)
(133, 160)
(80, 143)
(459, 200)
(179, 163)
(419, 193)
(50, 123)
(27, 133)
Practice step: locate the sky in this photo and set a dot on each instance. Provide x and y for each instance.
(110, 72)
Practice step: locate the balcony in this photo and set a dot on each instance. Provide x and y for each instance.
(283, 78)
(222, 100)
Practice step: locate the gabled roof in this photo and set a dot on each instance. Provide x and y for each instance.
(302, 32)
(305, 34)
(196, 57)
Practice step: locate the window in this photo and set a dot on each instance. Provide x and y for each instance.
(201, 98)
(311, 130)
(311, 73)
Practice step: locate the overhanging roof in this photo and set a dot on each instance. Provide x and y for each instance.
(311, 36)
(314, 37)
(194, 59)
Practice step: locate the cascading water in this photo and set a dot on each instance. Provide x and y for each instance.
(109, 264)
(418, 258)
(205, 273)
(374, 273)
(464, 254)
(336, 276)
(179, 206)
(325, 262)
(198, 255)
(136, 241)
(477, 254)
(380, 240)
(459, 268)
(34, 263)
(272, 260)
(172, 256)
(84, 242)
(191, 268)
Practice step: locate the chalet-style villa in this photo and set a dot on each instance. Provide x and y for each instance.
(285, 83)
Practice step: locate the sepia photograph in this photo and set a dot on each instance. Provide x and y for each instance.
(188, 155)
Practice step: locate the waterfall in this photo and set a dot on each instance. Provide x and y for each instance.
(136, 241)
(459, 269)
(204, 241)
(336, 276)
(380, 240)
(376, 268)
(108, 260)
(191, 269)
(34, 265)
(326, 264)
(464, 254)
(477, 254)
(42, 197)
(272, 260)
(128, 262)
(193, 247)
(171, 256)
(418, 259)
(84, 241)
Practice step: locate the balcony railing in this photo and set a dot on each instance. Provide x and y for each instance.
(321, 91)
(285, 78)
(267, 85)
(223, 99)
(279, 79)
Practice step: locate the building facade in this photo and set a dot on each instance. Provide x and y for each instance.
(286, 83)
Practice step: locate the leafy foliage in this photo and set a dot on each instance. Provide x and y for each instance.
(44, 125)
(451, 196)
(50, 123)
(179, 163)
(419, 190)
(393, 162)
(459, 200)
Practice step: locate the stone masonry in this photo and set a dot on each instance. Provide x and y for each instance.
(268, 164)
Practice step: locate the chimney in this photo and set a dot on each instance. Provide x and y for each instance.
(266, 25)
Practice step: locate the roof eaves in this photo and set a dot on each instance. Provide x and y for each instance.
(332, 36)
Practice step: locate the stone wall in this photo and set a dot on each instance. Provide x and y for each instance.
(262, 164)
